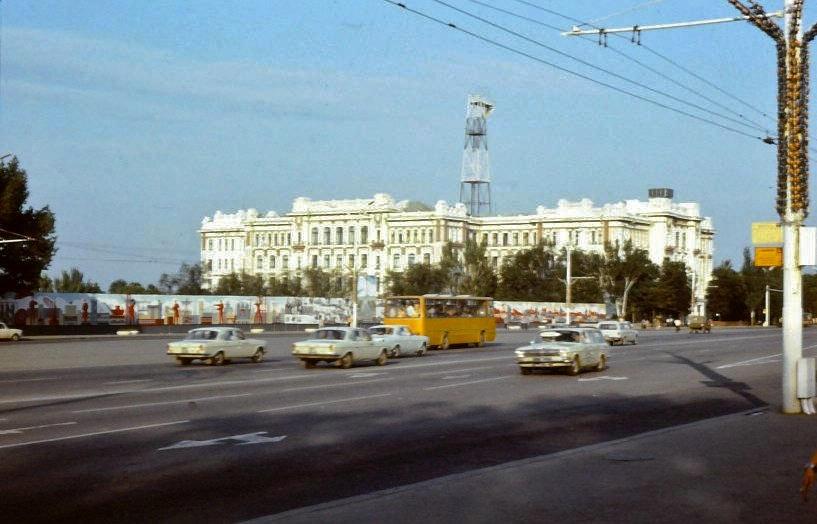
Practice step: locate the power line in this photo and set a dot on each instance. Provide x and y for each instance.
(656, 53)
(597, 68)
(755, 125)
(571, 72)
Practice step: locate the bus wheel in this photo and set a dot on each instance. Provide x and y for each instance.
(444, 344)
(481, 339)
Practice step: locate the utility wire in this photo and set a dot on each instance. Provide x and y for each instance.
(24, 237)
(571, 72)
(756, 125)
(656, 53)
(597, 68)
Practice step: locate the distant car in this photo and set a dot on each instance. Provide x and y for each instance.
(216, 345)
(698, 323)
(620, 333)
(572, 349)
(399, 340)
(340, 345)
(7, 333)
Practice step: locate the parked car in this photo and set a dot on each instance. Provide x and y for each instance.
(341, 345)
(572, 349)
(216, 345)
(7, 333)
(400, 340)
(616, 332)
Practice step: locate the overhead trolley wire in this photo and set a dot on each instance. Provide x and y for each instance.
(570, 71)
(656, 53)
(756, 125)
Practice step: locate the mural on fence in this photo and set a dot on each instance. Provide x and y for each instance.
(66, 309)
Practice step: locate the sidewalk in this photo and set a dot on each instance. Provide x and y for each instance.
(736, 468)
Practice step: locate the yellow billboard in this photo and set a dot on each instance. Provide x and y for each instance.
(769, 257)
(767, 233)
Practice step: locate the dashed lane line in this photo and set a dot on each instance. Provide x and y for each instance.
(148, 404)
(465, 383)
(94, 434)
(323, 403)
(136, 381)
(751, 362)
(342, 384)
(17, 431)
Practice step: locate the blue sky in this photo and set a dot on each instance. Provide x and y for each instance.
(136, 119)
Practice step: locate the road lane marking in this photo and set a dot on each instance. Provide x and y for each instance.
(129, 381)
(54, 397)
(464, 383)
(432, 373)
(344, 384)
(605, 377)
(94, 434)
(17, 431)
(28, 380)
(243, 440)
(364, 375)
(450, 362)
(322, 403)
(455, 377)
(750, 362)
(221, 383)
(147, 404)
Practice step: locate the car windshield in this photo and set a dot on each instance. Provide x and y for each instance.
(202, 334)
(329, 334)
(380, 330)
(560, 336)
(607, 326)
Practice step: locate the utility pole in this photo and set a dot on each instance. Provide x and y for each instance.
(792, 163)
(569, 282)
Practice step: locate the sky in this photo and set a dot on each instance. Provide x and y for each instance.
(134, 120)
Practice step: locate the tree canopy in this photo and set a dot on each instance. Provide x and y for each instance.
(21, 263)
(73, 281)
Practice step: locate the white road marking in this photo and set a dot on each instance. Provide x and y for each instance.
(185, 401)
(464, 383)
(17, 431)
(364, 375)
(221, 383)
(605, 377)
(455, 377)
(450, 362)
(129, 381)
(94, 434)
(28, 380)
(243, 440)
(431, 373)
(53, 397)
(345, 384)
(310, 404)
(751, 362)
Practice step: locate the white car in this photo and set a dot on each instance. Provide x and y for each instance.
(341, 345)
(400, 340)
(571, 349)
(616, 332)
(10, 333)
(216, 345)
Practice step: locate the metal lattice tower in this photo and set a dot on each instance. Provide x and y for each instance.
(475, 178)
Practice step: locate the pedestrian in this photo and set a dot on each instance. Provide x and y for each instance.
(808, 476)
(677, 324)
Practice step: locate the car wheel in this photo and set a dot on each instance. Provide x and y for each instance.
(635, 340)
(258, 356)
(381, 360)
(422, 350)
(345, 362)
(184, 361)
(395, 352)
(481, 339)
(15, 337)
(602, 363)
(575, 367)
(309, 364)
(525, 371)
(217, 359)
(444, 343)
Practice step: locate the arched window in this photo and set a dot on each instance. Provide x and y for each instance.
(411, 259)
(314, 235)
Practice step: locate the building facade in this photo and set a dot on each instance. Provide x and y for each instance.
(374, 235)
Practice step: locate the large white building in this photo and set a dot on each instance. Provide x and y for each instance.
(374, 235)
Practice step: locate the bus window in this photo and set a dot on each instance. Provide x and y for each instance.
(403, 308)
(435, 308)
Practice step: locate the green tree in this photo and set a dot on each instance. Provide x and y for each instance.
(122, 287)
(478, 278)
(229, 284)
(187, 281)
(286, 285)
(417, 279)
(45, 284)
(316, 282)
(532, 275)
(619, 269)
(252, 285)
(585, 287)
(726, 296)
(672, 293)
(21, 263)
(73, 281)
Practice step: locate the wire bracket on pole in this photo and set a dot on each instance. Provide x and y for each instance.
(602, 37)
(636, 38)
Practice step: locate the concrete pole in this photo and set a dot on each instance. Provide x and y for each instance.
(568, 283)
(792, 278)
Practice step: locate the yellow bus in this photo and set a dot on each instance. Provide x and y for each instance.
(444, 319)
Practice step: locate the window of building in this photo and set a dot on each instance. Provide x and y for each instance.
(219, 264)
(525, 239)
(232, 264)
(259, 263)
(411, 259)
(400, 238)
(219, 244)
(676, 238)
(495, 262)
(431, 235)
(339, 261)
(351, 234)
(427, 258)
(351, 261)
(684, 240)
(377, 262)
(289, 238)
(314, 260)
(423, 236)
(516, 239)
(485, 239)
(272, 261)
(495, 239)
(364, 234)
(314, 235)
(298, 261)
(364, 260)
(285, 262)
(396, 264)
(338, 235)
(327, 235)
(210, 244)
(504, 239)
(326, 261)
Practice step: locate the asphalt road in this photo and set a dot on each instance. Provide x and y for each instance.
(113, 430)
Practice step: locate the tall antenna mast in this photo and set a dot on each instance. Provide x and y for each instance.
(475, 178)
